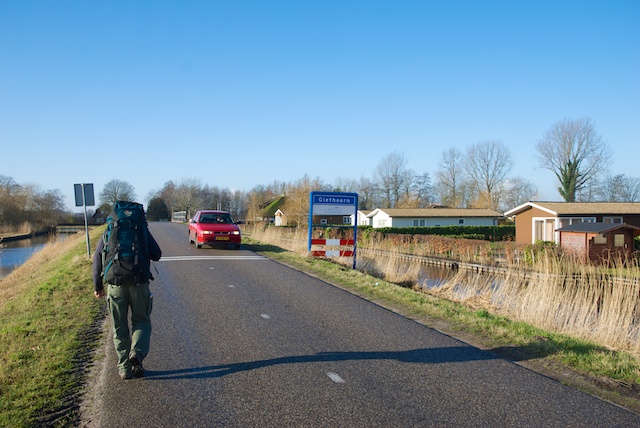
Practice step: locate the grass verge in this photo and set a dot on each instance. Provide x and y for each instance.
(49, 327)
(610, 374)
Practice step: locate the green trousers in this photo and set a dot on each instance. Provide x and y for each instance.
(139, 299)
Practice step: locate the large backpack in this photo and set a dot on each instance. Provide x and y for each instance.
(125, 258)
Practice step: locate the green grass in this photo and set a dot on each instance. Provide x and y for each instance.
(48, 326)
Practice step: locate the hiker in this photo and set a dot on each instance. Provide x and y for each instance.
(121, 263)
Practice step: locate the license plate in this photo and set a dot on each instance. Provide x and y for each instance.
(222, 238)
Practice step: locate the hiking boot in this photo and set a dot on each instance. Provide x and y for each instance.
(125, 374)
(136, 367)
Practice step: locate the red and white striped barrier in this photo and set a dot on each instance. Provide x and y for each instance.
(333, 243)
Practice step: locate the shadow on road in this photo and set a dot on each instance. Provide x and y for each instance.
(415, 356)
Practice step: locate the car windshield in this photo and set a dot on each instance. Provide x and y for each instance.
(216, 218)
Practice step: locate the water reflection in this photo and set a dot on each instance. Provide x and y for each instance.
(405, 272)
(15, 253)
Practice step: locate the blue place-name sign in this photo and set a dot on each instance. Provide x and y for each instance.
(331, 204)
(328, 199)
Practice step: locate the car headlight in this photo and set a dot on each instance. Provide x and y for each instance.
(207, 232)
(235, 232)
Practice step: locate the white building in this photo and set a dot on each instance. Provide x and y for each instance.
(399, 217)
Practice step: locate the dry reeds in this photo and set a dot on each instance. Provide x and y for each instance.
(292, 239)
(577, 299)
(23, 229)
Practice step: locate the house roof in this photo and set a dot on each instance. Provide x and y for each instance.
(579, 208)
(270, 207)
(596, 227)
(436, 212)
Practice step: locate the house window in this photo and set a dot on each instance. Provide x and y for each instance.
(461, 221)
(614, 220)
(544, 229)
(618, 240)
(346, 219)
(323, 221)
(573, 220)
(538, 230)
(417, 222)
(600, 239)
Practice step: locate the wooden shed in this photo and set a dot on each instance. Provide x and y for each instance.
(599, 242)
(540, 221)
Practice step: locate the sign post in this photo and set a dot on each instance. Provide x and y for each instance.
(330, 204)
(84, 198)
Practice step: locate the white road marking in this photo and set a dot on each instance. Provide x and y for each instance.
(188, 258)
(265, 316)
(335, 377)
(232, 286)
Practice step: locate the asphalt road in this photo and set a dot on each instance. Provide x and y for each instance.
(242, 341)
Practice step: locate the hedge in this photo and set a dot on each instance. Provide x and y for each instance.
(488, 233)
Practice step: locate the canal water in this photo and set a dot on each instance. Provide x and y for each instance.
(425, 275)
(15, 253)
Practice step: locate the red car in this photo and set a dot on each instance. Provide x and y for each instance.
(214, 228)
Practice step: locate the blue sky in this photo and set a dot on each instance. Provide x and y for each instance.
(242, 93)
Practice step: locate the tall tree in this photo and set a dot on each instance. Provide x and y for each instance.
(487, 164)
(158, 210)
(296, 205)
(450, 178)
(117, 190)
(189, 197)
(618, 188)
(366, 194)
(574, 151)
(422, 190)
(518, 190)
(391, 177)
(49, 205)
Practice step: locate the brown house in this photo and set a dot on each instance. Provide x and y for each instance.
(541, 221)
(599, 242)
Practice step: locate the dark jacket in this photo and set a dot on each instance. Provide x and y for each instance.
(154, 254)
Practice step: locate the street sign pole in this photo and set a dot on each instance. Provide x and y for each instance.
(86, 221)
(84, 197)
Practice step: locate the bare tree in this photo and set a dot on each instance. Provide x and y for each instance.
(49, 205)
(518, 190)
(391, 178)
(618, 188)
(117, 190)
(344, 184)
(238, 204)
(422, 190)
(20, 203)
(188, 196)
(366, 194)
(575, 153)
(297, 202)
(450, 177)
(487, 164)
